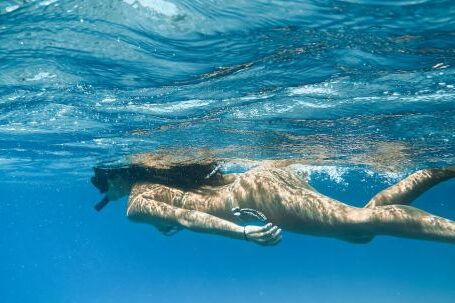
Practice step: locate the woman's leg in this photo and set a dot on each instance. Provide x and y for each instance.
(408, 189)
(313, 213)
(391, 215)
(409, 222)
(361, 225)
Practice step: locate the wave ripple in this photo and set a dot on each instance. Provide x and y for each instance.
(337, 82)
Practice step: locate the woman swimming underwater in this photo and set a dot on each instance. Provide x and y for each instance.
(197, 196)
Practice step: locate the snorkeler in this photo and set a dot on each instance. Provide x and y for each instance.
(199, 197)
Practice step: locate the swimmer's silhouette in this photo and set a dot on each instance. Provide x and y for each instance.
(197, 196)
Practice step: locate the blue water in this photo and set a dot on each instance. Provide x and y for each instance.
(365, 90)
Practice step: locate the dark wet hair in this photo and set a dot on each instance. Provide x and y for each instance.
(184, 175)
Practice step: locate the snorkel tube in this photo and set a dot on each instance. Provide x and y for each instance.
(99, 180)
(100, 205)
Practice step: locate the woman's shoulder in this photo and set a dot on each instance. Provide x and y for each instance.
(157, 192)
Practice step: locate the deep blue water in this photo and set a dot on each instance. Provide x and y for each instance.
(364, 90)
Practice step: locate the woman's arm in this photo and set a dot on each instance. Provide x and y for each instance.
(146, 210)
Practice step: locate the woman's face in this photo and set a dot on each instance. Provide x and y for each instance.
(118, 187)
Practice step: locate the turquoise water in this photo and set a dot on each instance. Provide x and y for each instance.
(364, 90)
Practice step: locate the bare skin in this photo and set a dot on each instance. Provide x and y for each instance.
(288, 202)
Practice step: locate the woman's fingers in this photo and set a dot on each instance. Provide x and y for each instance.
(275, 241)
(260, 229)
(270, 241)
(268, 234)
(273, 237)
(277, 232)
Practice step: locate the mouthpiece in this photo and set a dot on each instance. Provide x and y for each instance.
(100, 205)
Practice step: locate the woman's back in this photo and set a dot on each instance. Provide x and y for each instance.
(263, 188)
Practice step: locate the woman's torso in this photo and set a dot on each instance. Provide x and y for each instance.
(265, 189)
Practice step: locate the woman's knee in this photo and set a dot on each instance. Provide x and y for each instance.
(359, 216)
(356, 227)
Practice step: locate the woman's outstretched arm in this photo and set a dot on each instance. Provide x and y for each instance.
(144, 210)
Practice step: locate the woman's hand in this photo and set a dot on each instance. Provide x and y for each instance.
(268, 234)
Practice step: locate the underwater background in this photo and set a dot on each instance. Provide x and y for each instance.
(364, 91)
